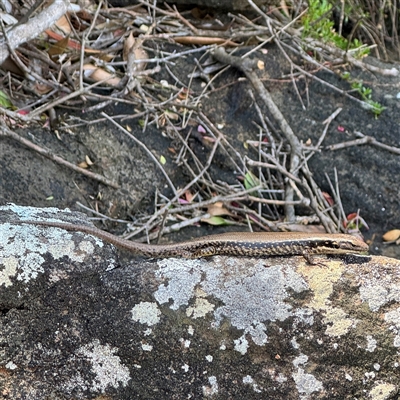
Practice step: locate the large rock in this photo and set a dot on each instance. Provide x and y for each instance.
(78, 323)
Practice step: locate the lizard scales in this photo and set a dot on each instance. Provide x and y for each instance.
(248, 244)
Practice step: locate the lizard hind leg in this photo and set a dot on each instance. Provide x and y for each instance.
(309, 257)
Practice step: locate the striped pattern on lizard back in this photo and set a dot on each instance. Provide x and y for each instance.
(262, 244)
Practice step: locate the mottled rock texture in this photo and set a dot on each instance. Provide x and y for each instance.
(79, 320)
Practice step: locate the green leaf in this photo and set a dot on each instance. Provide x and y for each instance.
(346, 75)
(216, 221)
(4, 100)
(163, 160)
(250, 181)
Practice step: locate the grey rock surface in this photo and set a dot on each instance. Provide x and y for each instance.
(81, 320)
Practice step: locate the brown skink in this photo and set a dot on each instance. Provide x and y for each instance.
(246, 244)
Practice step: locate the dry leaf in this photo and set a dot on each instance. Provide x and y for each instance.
(64, 25)
(81, 15)
(42, 88)
(10, 65)
(83, 165)
(183, 94)
(217, 209)
(284, 8)
(201, 40)
(98, 74)
(392, 235)
(58, 47)
(128, 46)
(132, 52)
(103, 56)
(141, 54)
(328, 198)
(88, 160)
(189, 196)
(171, 115)
(72, 44)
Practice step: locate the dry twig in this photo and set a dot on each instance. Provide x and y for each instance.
(35, 26)
(281, 175)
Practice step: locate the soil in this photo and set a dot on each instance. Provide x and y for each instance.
(368, 176)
